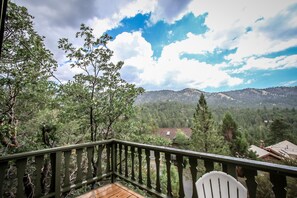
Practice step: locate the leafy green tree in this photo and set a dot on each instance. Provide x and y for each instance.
(25, 67)
(181, 140)
(99, 94)
(204, 136)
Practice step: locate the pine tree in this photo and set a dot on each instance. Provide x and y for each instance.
(204, 136)
(279, 131)
(229, 128)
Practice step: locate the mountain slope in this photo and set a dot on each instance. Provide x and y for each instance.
(285, 97)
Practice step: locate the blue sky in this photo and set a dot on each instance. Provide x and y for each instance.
(173, 44)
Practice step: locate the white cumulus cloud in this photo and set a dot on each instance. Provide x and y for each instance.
(169, 70)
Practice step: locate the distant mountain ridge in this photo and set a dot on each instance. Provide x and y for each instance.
(285, 97)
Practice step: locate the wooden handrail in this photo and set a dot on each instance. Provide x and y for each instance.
(259, 165)
(52, 150)
(135, 163)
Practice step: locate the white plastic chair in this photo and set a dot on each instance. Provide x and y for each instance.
(217, 184)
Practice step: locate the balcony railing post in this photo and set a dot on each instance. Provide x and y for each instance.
(193, 168)
(90, 154)
(58, 174)
(120, 159)
(279, 183)
(209, 166)
(251, 182)
(230, 169)
(113, 162)
(108, 156)
(140, 165)
(132, 149)
(3, 167)
(157, 160)
(148, 168)
(168, 170)
(99, 160)
(79, 165)
(39, 164)
(126, 160)
(179, 159)
(21, 166)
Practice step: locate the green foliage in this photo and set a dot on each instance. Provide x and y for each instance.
(264, 187)
(25, 68)
(279, 131)
(99, 95)
(174, 180)
(205, 137)
(253, 123)
(237, 140)
(239, 146)
(181, 140)
(168, 114)
(229, 127)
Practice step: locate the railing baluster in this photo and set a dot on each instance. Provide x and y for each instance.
(58, 174)
(115, 157)
(3, 166)
(168, 170)
(107, 158)
(179, 159)
(209, 166)
(120, 153)
(113, 162)
(90, 151)
(230, 169)
(279, 183)
(99, 160)
(140, 165)
(193, 168)
(21, 166)
(126, 161)
(157, 159)
(148, 168)
(79, 168)
(39, 164)
(132, 161)
(53, 167)
(251, 182)
(67, 155)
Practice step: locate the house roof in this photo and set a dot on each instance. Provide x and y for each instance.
(284, 148)
(262, 153)
(259, 151)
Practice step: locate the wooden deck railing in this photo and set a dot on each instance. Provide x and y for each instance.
(144, 166)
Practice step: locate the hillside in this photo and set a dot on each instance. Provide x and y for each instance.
(285, 97)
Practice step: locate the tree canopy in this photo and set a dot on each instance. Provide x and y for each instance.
(98, 94)
(26, 66)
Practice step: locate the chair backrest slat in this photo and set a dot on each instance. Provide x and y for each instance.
(224, 187)
(215, 186)
(220, 184)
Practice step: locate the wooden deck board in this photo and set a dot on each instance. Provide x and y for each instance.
(111, 190)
